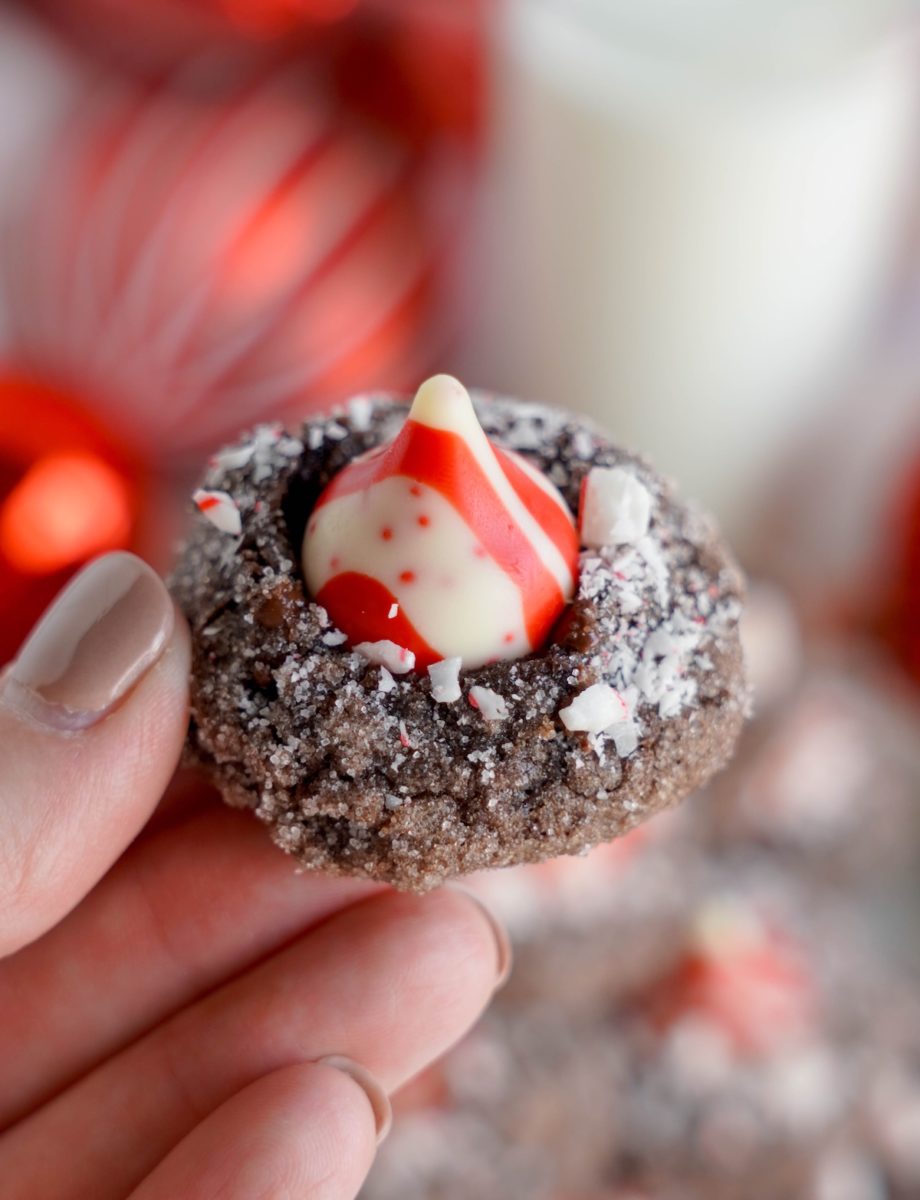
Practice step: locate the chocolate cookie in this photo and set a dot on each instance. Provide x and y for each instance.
(412, 778)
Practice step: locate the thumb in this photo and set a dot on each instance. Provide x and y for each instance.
(93, 713)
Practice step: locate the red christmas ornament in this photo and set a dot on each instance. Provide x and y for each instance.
(903, 618)
(189, 268)
(394, 63)
(415, 65)
(67, 493)
(160, 31)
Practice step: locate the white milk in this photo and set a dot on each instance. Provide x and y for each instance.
(691, 213)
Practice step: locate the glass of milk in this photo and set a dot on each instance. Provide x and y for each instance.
(691, 216)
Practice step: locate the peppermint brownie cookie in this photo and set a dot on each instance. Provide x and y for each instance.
(411, 662)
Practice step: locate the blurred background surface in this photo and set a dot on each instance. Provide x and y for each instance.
(701, 226)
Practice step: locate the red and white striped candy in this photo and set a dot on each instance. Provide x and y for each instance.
(753, 984)
(477, 550)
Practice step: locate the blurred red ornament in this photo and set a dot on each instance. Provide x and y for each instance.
(189, 267)
(417, 65)
(904, 614)
(153, 32)
(66, 507)
(272, 18)
(67, 493)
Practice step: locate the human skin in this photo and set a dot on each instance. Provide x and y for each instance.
(181, 1014)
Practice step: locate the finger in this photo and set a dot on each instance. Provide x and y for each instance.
(182, 911)
(391, 982)
(187, 794)
(306, 1130)
(92, 718)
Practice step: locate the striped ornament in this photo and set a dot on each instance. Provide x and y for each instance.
(191, 266)
(442, 542)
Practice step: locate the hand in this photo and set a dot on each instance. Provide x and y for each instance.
(181, 1014)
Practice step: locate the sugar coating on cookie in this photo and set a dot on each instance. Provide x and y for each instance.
(360, 767)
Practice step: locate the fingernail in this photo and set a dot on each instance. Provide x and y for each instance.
(503, 952)
(379, 1100)
(102, 634)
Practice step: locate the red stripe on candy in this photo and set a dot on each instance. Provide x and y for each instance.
(361, 605)
(552, 519)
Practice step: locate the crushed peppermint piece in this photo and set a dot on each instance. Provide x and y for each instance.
(445, 680)
(220, 509)
(681, 694)
(583, 445)
(386, 682)
(392, 801)
(595, 709)
(625, 737)
(492, 706)
(267, 443)
(394, 610)
(662, 665)
(290, 447)
(334, 637)
(404, 735)
(396, 659)
(654, 559)
(235, 457)
(615, 508)
(360, 411)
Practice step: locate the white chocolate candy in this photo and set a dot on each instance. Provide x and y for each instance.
(441, 542)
